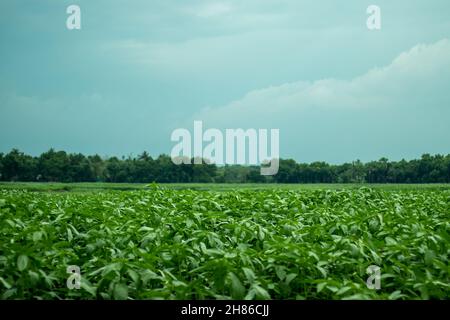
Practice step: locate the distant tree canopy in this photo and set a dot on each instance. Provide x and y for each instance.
(59, 166)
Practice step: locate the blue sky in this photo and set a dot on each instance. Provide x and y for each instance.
(137, 70)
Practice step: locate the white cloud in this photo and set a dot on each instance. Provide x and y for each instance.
(213, 9)
(417, 78)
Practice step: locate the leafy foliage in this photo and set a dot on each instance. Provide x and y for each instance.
(241, 244)
(59, 166)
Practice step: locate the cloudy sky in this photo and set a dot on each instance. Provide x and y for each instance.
(139, 69)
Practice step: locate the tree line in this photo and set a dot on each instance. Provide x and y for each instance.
(60, 166)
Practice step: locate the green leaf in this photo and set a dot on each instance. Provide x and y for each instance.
(237, 289)
(88, 287)
(22, 262)
(37, 236)
(357, 296)
(320, 286)
(9, 293)
(69, 235)
(390, 241)
(313, 254)
(177, 283)
(343, 290)
(290, 277)
(332, 289)
(261, 293)
(322, 271)
(396, 295)
(249, 274)
(120, 292)
(133, 275)
(281, 273)
(5, 283)
(261, 234)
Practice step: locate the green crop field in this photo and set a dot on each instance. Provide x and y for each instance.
(102, 186)
(224, 241)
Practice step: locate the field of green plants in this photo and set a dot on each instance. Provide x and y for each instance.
(162, 243)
